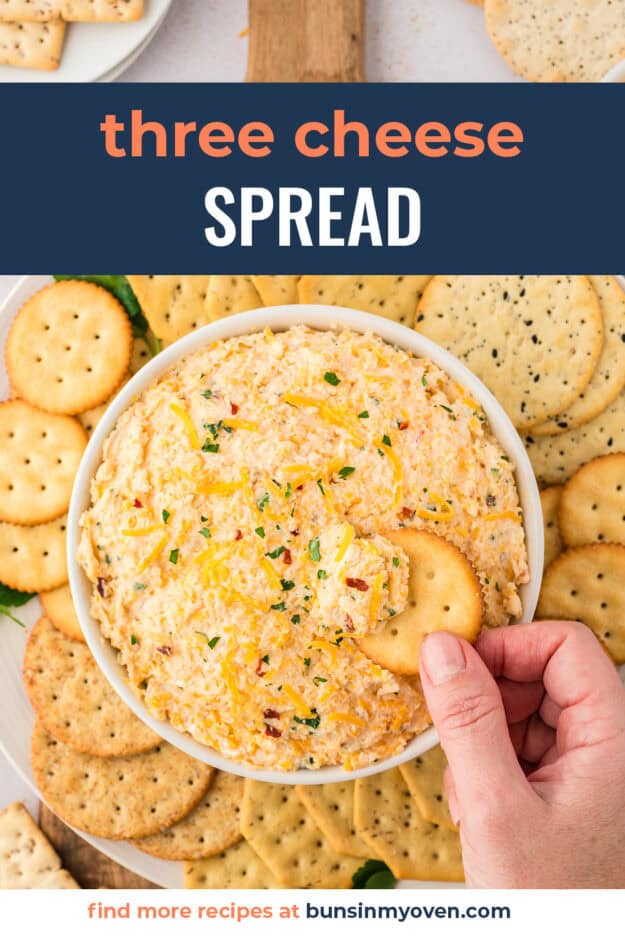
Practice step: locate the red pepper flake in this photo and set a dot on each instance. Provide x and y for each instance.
(259, 668)
(239, 535)
(357, 584)
(137, 503)
(406, 514)
(270, 714)
(101, 586)
(234, 408)
(286, 556)
(349, 623)
(272, 731)
(295, 532)
(298, 488)
(164, 649)
(404, 425)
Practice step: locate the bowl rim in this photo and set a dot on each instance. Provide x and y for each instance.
(616, 73)
(280, 318)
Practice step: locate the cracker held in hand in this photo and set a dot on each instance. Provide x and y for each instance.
(424, 777)
(58, 605)
(608, 379)
(69, 347)
(444, 593)
(32, 45)
(331, 807)
(388, 818)
(29, 11)
(119, 798)
(281, 831)
(558, 40)
(550, 502)
(555, 458)
(586, 583)
(32, 559)
(593, 503)
(75, 702)
(27, 859)
(211, 828)
(40, 456)
(533, 341)
(102, 11)
(277, 290)
(394, 298)
(239, 867)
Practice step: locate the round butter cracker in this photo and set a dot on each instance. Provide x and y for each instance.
(119, 798)
(40, 456)
(593, 503)
(550, 502)
(444, 594)
(534, 341)
(58, 605)
(586, 583)
(558, 40)
(69, 347)
(32, 558)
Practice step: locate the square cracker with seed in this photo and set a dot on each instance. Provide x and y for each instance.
(32, 45)
(27, 860)
(29, 11)
(101, 11)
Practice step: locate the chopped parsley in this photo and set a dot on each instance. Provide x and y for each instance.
(107, 559)
(288, 490)
(202, 518)
(395, 561)
(259, 531)
(296, 618)
(307, 662)
(386, 440)
(322, 575)
(494, 470)
(312, 722)
(331, 378)
(445, 407)
(314, 551)
(346, 471)
(363, 415)
(205, 532)
(173, 555)
(139, 587)
(134, 640)
(211, 642)
(321, 488)
(274, 554)
(263, 502)
(424, 380)
(287, 585)
(265, 659)
(319, 680)
(373, 874)
(279, 607)
(207, 393)
(209, 447)
(165, 515)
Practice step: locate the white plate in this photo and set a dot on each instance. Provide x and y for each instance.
(16, 715)
(92, 50)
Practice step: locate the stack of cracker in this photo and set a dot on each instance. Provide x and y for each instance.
(32, 32)
(317, 836)
(561, 40)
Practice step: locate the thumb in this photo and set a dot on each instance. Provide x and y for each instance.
(468, 712)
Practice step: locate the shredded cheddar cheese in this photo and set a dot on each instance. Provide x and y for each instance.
(188, 425)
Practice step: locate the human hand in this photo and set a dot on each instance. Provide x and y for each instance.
(532, 720)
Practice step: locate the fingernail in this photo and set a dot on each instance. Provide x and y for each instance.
(442, 656)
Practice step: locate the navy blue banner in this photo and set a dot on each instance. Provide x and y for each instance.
(557, 206)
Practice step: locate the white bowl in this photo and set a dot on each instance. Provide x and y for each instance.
(616, 74)
(278, 319)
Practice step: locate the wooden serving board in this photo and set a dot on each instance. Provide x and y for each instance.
(90, 868)
(306, 40)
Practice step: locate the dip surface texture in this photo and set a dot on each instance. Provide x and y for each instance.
(235, 539)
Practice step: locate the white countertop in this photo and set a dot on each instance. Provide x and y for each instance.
(407, 40)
